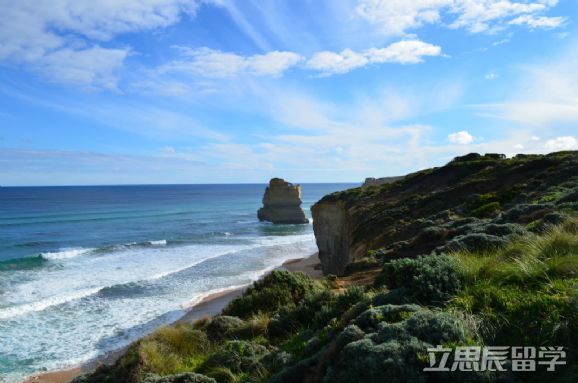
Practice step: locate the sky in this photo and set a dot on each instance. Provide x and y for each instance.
(239, 91)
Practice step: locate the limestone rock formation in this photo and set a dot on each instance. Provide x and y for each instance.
(282, 203)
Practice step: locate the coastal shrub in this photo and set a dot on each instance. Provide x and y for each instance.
(316, 311)
(312, 312)
(239, 356)
(479, 242)
(525, 213)
(429, 235)
(223, 375)
(223, 326)
(393, 350)
(503, 230)
(351, 296)
(427, 279)
(436, 327)
(276, 290)
(397, 296)
(189, 377)
(370, 318)
(488, 210)
(182, 338)
(570, 196)
(478, 200)
(254, 327)
(172, 349)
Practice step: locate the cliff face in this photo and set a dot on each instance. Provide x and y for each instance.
(425, 211)
(282, 203)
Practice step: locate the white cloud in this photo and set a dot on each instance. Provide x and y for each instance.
(342, 62)
(91, 67)
(401, 52)
(211, 63)
(461, 138)
(56, 37)
(561, 143)
(538, 22)
(273, 63)
(404, 52)
(396, 17)
(491, 76)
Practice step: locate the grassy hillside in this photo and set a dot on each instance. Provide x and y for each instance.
(498, 266)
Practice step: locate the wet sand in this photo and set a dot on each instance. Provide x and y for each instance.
(209, 306)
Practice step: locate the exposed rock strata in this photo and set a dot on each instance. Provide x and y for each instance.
(282, 203)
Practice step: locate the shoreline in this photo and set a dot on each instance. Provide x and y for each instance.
(210, 305)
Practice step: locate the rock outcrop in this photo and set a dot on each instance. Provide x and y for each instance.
(459, 204)
(282, 203)
(371, 181)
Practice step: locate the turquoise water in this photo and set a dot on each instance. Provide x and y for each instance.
(86, 270)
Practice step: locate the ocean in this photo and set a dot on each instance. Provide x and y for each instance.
(86, 270)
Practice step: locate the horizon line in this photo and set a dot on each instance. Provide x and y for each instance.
(177, 184)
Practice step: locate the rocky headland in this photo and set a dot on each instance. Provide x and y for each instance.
(441, 208)
(480, 252)
(282, 203)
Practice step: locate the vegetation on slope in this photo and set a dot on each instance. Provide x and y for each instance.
(499, 267)
(526, 190)
(291, 328)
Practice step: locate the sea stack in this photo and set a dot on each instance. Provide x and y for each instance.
(282, 203)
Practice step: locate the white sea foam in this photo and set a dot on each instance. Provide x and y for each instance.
(66, 253)
(162, 242)
(19, 310)
(158, 280)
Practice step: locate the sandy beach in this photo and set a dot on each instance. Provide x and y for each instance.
(209, 306)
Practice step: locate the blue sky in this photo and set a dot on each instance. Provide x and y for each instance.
(239, 91)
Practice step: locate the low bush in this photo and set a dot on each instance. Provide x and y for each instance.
(239, 357)
(278, 289)
(490, 209)
(474, 242)
(427, 279)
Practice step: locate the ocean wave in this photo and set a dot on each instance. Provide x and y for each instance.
(26, 263)
(66, 253)
(76, 252)
(42, 305)
(138, 287)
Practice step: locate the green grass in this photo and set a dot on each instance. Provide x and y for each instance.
(527, 293)
(173, 349)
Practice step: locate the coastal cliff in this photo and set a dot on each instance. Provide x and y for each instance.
(282, 203)
(481, 252)
(426, 210)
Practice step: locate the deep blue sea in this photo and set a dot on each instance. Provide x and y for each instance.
(87, 270)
